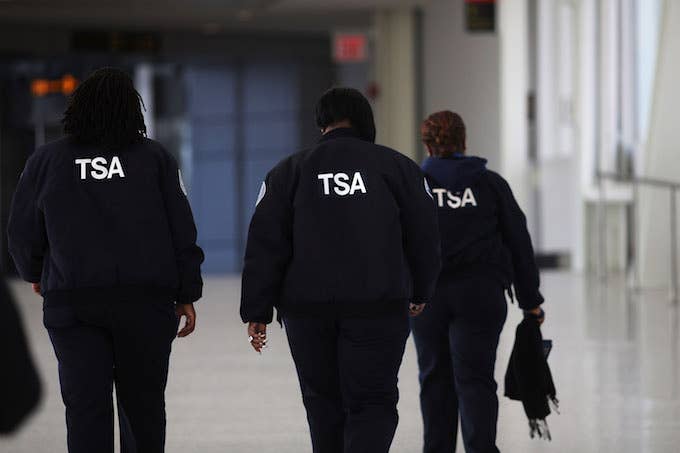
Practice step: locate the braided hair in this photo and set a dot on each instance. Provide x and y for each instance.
(105, 110)
(444, 133)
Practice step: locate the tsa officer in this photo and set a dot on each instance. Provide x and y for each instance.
(101, 226)
(486, 248)
(344, 243)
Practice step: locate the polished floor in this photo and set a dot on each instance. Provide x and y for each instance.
(616, 363)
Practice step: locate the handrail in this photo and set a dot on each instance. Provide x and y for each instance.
(642, 180)
(674, 188)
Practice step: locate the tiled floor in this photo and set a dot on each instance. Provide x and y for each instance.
(616, 363)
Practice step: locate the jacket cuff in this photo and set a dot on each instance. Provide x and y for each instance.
(260, 321)
(420, 297)
(529, 303)
(189, 297)
(264, 316)
(31, 277)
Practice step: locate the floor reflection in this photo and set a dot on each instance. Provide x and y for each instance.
(616, 363)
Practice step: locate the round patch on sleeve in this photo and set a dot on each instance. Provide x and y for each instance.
(263, 191)
(181, 182)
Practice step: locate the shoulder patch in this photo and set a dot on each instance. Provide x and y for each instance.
(181, 182)
(263, 191)
(427, 188)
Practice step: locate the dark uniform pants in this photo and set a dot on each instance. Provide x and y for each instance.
(456, 339)
(98, 345)
(348, 374)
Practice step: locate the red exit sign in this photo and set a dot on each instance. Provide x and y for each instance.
(350, 47)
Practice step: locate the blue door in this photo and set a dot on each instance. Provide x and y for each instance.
(244, 118)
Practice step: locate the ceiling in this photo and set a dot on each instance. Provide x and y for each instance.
(343, 4)
(211, 16)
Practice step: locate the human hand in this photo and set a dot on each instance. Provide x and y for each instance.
(416, 309)
(257, 335)
(537, 313)
(36, 288)
(186, 310)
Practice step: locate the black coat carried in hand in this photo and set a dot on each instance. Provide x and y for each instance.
(19, 380)
(528, 378)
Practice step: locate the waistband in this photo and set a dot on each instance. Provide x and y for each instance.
(343, 309)
(467, 270)
(56, 298)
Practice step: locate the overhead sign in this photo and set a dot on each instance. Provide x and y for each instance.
(350, 47)
(480, 15)
(42, 87)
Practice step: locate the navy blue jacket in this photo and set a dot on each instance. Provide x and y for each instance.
(345, 228)
(482, 227)
(91, 225)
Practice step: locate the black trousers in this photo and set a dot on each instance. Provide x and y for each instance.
(99, 345)
(348, 374)
(456, 339)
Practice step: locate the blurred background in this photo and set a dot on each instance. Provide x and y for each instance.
(573, 101)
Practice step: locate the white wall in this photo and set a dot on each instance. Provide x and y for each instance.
(662, 159)
(395, 73)
(648, 21)
(514, 90)
(586, 236)
(461, 73)
(559, 45)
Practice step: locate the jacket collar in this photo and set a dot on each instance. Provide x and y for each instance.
(340, 132)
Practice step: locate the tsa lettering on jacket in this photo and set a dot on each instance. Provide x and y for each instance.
(340, 182)
(100, 168)
(455, 200)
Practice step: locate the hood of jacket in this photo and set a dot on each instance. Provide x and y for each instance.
(456, 172)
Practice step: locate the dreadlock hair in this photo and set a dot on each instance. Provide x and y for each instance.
(105, 110)
(339, 104)
(444, 133)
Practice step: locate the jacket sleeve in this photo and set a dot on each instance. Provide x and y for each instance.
(420, 226)
(188, 254)
(26, 233)
(268, 251)
(513, 225)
